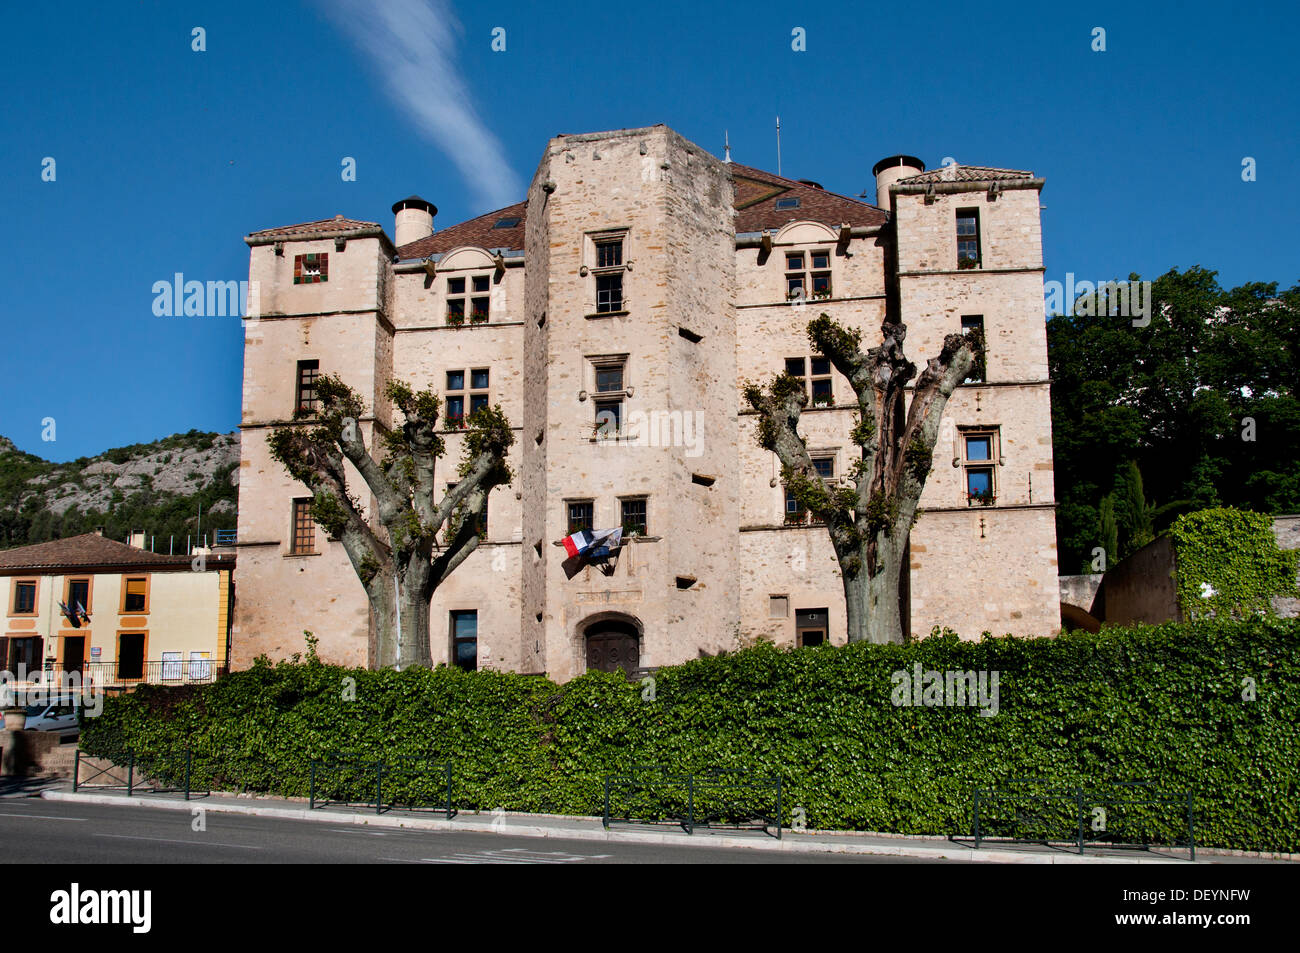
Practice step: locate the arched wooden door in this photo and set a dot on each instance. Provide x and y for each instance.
(613, 645)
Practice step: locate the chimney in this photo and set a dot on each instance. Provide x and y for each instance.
(888, 171)
(137, 539)
(99, 531)
(414, 220)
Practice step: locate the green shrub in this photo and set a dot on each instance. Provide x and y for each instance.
(1163, 704)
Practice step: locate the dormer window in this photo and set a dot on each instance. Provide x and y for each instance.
(808, 274)
(469, 297)
(783, 204)
(506, 222)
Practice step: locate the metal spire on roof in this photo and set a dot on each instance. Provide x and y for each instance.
(726, 139)
(778, 145)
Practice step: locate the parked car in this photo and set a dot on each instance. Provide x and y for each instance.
(58, 716)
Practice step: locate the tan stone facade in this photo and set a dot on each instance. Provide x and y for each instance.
(703, 255)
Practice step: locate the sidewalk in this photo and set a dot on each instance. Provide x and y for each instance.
(591, 829)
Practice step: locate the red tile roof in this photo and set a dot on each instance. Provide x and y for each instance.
(325, 226)
(966, 173)
(92, 550)
(757, 193)
(755, 201)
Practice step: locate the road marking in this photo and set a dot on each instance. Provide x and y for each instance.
(169, 840)
(47, 817)
(512, 855)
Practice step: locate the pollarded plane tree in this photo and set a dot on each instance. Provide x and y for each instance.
(413, 544)
(870, 519)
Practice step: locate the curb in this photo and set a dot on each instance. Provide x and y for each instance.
(788, 845)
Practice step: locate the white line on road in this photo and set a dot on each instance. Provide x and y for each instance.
(169, 840)
(47, 817)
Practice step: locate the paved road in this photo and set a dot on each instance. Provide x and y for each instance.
(37, 831)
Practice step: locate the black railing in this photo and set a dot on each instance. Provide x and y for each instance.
(346, 777)
(1128, 814)
(715, 798)
(129, 672)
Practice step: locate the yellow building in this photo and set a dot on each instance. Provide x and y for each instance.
(115, 613)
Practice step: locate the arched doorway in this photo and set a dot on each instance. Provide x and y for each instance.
(612, 644)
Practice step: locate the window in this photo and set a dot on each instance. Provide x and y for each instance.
(458, 395)
(26, 652)
(825, 467)
(969, 323)
(78, 595)
(633, 516)
(795, 514)
(307, 403)
(464, 639)
(808, 282)
(135, 594)
(610, 381)
(978, 462)
(968, 238)
(609, 417)
(581, 515)
(809, 627)
(819, 384)
(304, 529)
(609, 268)
(787, 203)
(469, 297)
(778, 607)
(25, 597)
(506, 222)
(311, 269)
(130, 655)
(481, 527)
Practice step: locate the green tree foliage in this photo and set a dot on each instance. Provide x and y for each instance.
(1230, 565)
(1175, 398)
(1164, 704)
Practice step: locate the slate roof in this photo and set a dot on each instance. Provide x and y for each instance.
(92, 550)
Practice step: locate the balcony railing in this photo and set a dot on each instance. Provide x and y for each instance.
(128, 673)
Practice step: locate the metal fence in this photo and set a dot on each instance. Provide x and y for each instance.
(1120, 814)
(346, 777)
(714, 798)
(125, 673)
(165, 771)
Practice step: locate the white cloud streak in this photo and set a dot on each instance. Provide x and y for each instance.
(411, 44)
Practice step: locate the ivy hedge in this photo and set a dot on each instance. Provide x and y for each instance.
(1211, 705)
(1229, 563)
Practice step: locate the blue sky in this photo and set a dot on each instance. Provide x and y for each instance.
(166, 157)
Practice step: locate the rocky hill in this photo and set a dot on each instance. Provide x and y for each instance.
(156, 487)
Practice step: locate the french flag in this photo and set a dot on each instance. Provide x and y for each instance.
(588, 541)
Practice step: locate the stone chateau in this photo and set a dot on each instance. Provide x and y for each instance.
(614, 314)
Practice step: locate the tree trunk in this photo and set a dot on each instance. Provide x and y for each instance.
(884, 620)
(399, 619)
(413, 639)
(855, 602)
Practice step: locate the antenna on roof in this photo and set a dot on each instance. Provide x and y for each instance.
(778, 145)
(726, 139)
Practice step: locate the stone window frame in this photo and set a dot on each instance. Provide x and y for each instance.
(605, 400)
(798, 516)
(635, 498)
(304, 385)
(469, 393)
(470, 301)
(594, 270)
(979, 373)
(973, 236)
(991, 465)
(302, 528)
(814, 282)
(817, 382)
(568, 514)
